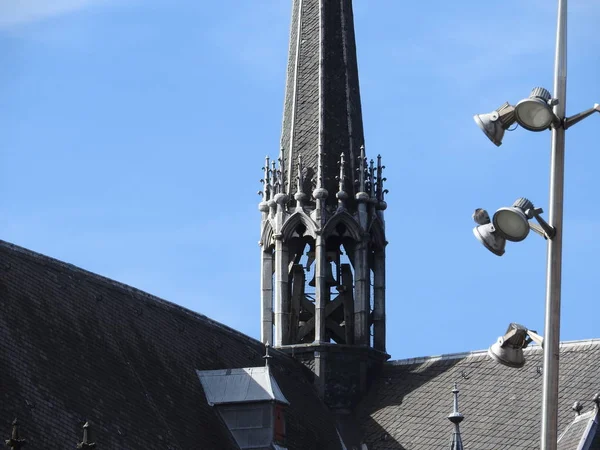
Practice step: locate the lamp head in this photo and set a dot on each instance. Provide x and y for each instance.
(508, 349)
(487, 235)
(512, 223)
(535, 113)
(507, 355)
(495, 123)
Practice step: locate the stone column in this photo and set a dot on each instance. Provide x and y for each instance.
(379, 301)
(321, 294)
(282, 300)
(266, 300)
(362, 294)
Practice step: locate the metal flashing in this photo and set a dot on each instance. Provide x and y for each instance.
(226, 386)
(566, 345)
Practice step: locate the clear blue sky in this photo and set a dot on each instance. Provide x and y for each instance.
(132, 134)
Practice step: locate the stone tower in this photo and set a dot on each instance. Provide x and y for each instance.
(322, 231)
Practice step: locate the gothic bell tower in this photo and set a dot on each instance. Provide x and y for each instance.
(323, 231)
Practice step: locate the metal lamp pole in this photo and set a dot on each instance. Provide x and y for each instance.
(554, 258)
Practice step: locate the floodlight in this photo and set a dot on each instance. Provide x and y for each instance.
(486, 233)
(535, 113)
(495, 123)
(508, 349)
(512, 222)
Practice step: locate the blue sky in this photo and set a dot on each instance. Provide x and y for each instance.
(133, 132)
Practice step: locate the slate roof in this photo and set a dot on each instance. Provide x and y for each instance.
(579, 433)
(322, 94)
(408, 403)
(76, 346)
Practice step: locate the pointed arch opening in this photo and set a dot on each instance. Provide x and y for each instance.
(267, 240)
(343, 224)
(291, 226)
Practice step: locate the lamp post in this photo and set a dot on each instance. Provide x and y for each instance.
(554, 258)
(537, 113)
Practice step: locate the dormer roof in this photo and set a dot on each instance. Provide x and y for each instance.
(253, 384)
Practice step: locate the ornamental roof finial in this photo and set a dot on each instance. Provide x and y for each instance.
(15, 443)
(267, 357)
(371, 181)
(342, 195)
(86, 444)
(300, 196)
(456, 418)
(381, 191)
(266, 187)
(281, 171)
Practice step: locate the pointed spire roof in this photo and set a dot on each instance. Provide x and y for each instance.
(322, 110)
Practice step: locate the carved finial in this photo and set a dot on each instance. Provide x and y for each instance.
(274, 179)
(371, 182)
(300, 177)
(280, 171)
(267, 169)
(361, 169)
(86, 444)
(15, 443)
(342, 195)
(361, 182)
(320, 193)
(263, 205)
(267, 357)
(381, 191)
(577, 407)
(300, 195)
(456, 418)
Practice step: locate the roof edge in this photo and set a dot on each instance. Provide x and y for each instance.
(479, 353)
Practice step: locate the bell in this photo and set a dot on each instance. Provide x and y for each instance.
(329, 280)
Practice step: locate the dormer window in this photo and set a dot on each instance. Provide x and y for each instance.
(250, 403)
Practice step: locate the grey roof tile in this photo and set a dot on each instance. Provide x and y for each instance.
(409, 401)
(77, 346)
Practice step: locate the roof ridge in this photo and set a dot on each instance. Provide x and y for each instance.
(478, 353)
(112, 284)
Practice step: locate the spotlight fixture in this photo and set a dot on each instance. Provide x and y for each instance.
(508, 349)
(486, 233)
(512, 222)
(535, 112)
(539, 112)
(509, 223)
(495, 123)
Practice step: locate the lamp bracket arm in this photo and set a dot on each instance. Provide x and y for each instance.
(538, 230)
(539, 340)
(548, 230)
(570, 121)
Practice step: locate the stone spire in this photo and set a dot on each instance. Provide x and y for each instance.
(322, 110)
(322, 214)
(456, 418)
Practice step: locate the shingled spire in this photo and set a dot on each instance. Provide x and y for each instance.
(322, 111)
(322, 213)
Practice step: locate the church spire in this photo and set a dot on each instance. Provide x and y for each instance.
(323, 213)
(322, 111)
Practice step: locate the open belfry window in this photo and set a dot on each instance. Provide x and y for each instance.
(250, 403)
